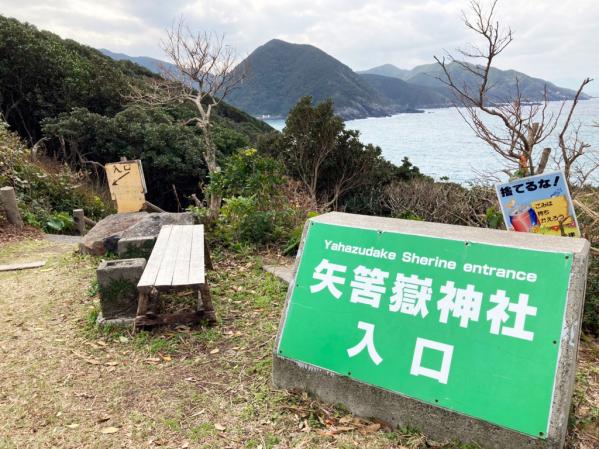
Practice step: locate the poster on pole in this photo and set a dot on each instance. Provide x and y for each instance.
(541, 204)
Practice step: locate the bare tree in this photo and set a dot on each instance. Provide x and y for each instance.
(204, 73)
(524, 126)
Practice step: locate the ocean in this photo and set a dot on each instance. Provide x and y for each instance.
(441, 144)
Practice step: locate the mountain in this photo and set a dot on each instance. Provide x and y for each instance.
(387, 70)
(406, 97)
(152, 64)
(503, 82)
(280, 73)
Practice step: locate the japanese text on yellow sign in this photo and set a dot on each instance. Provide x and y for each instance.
(539, 204)
(127, 185)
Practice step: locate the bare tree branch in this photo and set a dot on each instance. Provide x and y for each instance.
(204, 73)
(525, 125)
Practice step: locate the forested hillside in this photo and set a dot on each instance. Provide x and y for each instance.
(280, 73)
(406, 96)
(76, 98)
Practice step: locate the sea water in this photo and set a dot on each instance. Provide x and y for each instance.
(441, 143)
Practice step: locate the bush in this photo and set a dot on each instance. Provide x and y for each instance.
(337, 170)
(255, 209)
(444, 202)
(243, 220)
(46, 196)
(247, 173)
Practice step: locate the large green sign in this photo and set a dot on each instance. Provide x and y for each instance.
(470, 327)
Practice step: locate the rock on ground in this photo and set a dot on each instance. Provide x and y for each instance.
(105, 235)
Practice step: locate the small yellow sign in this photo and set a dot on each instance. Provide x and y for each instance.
(553, 217)
(127, 185)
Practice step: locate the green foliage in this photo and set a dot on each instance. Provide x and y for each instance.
(243, 220)
(295, 236)
(247, 173)
(171, 154)
(254, 211)
(59, 223)
(79, 97)
(336, 168)
(42, 75)
(494, 218)
(46, 198)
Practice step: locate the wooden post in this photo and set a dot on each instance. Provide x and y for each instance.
(79, 219)
(152, 207)
(9, 199)
(89, 222)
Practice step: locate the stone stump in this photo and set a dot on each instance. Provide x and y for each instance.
(117, 281)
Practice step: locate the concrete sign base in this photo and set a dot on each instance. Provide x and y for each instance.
(402, 410)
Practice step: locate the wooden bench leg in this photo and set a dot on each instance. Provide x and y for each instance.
(142, 307)
(207, 257)
(142, 303)
(208, 307)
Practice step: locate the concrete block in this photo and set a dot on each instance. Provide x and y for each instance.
(117, 281)
(436, 422)
(133, 247)
(115, 322)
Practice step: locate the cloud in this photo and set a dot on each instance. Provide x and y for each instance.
(554, 39)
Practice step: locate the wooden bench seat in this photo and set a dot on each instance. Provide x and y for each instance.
(178, 262)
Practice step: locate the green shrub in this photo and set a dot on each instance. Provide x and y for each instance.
(337, 170)
(60, 222)
(46, 199)
(255, 209)
(242, 220)
(248, 173)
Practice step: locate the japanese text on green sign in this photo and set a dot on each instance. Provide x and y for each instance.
(470, 327)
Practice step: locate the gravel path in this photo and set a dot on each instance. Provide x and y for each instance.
(64, 239)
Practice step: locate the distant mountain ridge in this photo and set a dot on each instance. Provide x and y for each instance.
(503, 82)
(152, 64)
(387, 70)
(280, 73)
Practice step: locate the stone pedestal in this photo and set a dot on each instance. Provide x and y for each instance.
(117, 280)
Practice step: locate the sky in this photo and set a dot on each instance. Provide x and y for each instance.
(556, 40)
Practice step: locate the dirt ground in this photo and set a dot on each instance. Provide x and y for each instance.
(66, 384)
(10, 233)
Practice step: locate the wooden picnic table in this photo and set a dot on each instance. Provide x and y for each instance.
(178, 262)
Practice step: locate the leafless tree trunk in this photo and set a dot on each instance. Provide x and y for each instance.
(204, 75)
(525, 125)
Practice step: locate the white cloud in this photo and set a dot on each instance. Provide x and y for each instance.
(554, 39)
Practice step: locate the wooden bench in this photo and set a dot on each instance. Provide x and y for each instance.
(177, 262)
